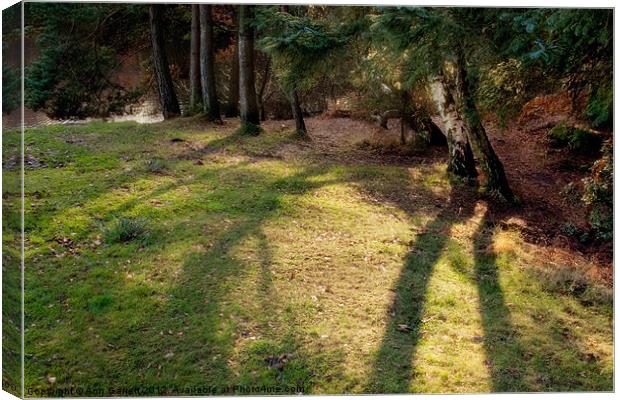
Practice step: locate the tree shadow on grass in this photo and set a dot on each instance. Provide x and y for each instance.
(502, 345)
(210, 278)
(184, 334)
(203, 303)
(542, 358)
(392, 368)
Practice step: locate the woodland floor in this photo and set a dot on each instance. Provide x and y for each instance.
(329, 264)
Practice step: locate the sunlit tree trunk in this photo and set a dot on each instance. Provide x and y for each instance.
(232, 106)
(167, 96)
(211, 105)
(195, 91)
(493, 168)
(247, 91)
(461, 159)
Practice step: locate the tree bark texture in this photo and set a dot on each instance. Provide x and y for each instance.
(493, 168)
(167, 96)
(195, 86)
(232, 106)
(300, 125)
(247, 91)
(461, 159)
(211, 105)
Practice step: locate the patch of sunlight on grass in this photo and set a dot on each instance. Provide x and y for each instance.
(505, 242)
(435, 177)
(330, 254)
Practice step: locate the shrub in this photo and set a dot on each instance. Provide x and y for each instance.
(570, 229)
(598, 194)
(602, 222)
(600, 107)
(502, 89)
(72, 76)
(11, 86)
(563, 135)
(126, 229)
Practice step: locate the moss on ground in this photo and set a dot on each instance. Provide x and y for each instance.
(367, 278)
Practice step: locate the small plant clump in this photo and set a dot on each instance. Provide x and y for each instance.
(249, 129)
(598, 194)
(155, 166)
(126, 229)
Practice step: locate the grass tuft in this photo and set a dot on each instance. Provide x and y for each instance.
(155, 165)
(126, 229)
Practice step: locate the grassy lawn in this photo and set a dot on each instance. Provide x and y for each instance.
(180, 255)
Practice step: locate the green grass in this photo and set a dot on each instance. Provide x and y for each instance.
(251, 257)
(11, 276)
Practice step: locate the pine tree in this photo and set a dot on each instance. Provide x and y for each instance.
(195, 86)
(167, 95)
(211, 104)
(250, 118)
(232, 105)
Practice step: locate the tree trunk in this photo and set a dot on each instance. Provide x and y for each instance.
(195, 87)
(211, 106)
(461, 159)
(263, 86)
(232, 107)
(404, 108)
(300, 125)
(167, 96)
(247, 90)
(493, 168)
